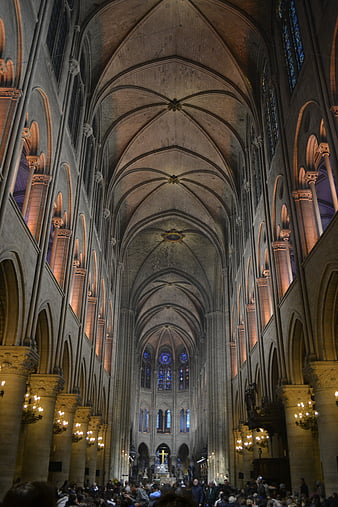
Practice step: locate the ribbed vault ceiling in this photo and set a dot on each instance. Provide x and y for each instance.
(174, 84)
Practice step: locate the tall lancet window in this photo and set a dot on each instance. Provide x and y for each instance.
(164, 378)
(292, 40)
(183, 371)
(146, 370)
(270, 112)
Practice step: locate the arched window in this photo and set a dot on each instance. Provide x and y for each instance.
(159, 421)
(184, 420)
(146, 370)
(57, 34)
(167, 421)
(143, 425)
(183, 371)
(21, 181)
(292, 40)
(270, 112)
(164, 379)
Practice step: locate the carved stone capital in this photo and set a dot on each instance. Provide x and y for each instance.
(82, 414)
(87, 130)
(280, 245)
(74, 67)
(57, 222)
(98, 177)
(323, 374)
(334, 110)
(67, 402)
(291, 395)
(10, 93)
(106, 213)
(94, 423)
(46, 385)
(41, 179)
(18, 360)
(324, 149)
(33, 162)
(311, 176)
(64, 233)
(302, 194)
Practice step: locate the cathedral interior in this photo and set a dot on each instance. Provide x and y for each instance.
(168, 241)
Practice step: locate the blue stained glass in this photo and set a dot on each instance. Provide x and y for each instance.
(165, 358)
(146, 355)
(296, 34)
(184, 357)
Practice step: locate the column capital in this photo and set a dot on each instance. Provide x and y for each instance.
(10, 93)
(280, 245)
(46, 385)
(67, 402)
(311, 176)
(291, 394)
(94, 422)
(17, 360)
(324, 149)
(323, 374)
(82, 414)
(302, 194)
(41, 178)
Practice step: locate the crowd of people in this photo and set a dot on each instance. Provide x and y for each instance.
(256, 493)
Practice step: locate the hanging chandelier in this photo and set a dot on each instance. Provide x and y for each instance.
(306, 417)
(31, 411)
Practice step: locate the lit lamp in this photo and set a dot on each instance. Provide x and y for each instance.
(60, 424)
(90, 438)
(100, 444)
(239, 446)
(336, 395)
(31, 412)
(2, 392)
(262, 439)
(248, 443)
(306, 418)
(78, 434)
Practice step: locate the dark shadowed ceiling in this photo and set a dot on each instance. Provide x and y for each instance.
(174, 83)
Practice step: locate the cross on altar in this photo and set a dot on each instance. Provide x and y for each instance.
(163, 455)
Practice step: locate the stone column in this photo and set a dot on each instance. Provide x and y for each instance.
(242, 342)
(90, 316)
(38, 437)
(324, 150)
(100, 461)
(99, 337)
(281, 250)
(79, 275)
(36, 204)
(311, 178)
(252, 323)
(78, 458)
(8, 101)
(91, 454)
(263, 284)
(108, 347)
(308, 228)
(16, 363)
(60, 252)
(302, 444)
(324, 375)
(62, 441)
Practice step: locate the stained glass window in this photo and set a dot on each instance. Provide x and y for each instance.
(184, 420)
(164, 379)
(146, 370)
(183, 372)
(292, 40)
(270, 112)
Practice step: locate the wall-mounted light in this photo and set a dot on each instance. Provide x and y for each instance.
(336, 396)
(2, 391)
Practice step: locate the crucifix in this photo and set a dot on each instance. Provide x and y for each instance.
(163, 455)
